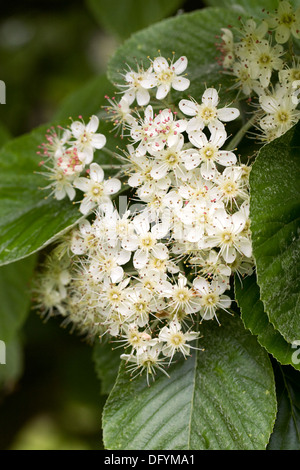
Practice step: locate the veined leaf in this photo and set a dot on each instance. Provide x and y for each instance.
(251, 7)
(15, 296)
(192, 35)
(123, 18)
(220, 398)
(254, 317)
(275, 227)
(286, 433)
(28, 220)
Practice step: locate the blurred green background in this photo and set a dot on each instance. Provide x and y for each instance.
(50, 398)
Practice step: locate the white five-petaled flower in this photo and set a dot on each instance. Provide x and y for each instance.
(138, 84)
(144, 243)
(87, 140)
(168, 76)
(97, 191)
(227, 233)
(176, 340)
(285, 22)
(181, 297)
(207, 113)
(264, 59)
(209, 152)
(211, 296)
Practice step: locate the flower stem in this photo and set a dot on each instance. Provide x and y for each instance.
(241, 133)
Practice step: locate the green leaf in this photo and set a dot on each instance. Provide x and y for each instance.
(107, 362)
(247, 295)
(28, 220)
(85, 101)
(4, 135)
(286, 434)
(192, 35)
(220, 398)
(123, 18)
(250, 7)
(15, 296)
(275, 227)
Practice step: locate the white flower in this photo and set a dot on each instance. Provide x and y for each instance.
(244, 80)
(209, 152)
(232, 186)
(285, 22)
(87, 140)
(207, 113)
(264, 59)
(61, 184)
(227, 48)
(168, 75)
(139, 341)
(197, 218)
(181, 298)
(138, 84)
(227, 234)
(211, 264)
(144, 243)
(280, 108)
(168, 129)
(211, 298)
(107, 265)
(96, 190)
(176, 340)
(119, 112)
(149, 360)
(169, 160)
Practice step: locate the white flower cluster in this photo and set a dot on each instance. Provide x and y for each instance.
(66, 154)
(262, 63)
(147, 275)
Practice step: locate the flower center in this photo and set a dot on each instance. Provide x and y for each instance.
(227, 238)
(182, 295)
(96, 191)
(208, 152)
(147, 241)
(171, 159)
(283, 117)
(177, 339)
(265, 59)
(210, 299)
(208, 113)
(287, 19)
(229, 188)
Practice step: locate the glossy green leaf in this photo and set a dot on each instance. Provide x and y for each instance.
(250, 7)
(28, 219)
(254, 317)
(286, 433)
(275, 227)
(87, 100)
(15, 280)
(220, 398)
(124, 18)
(192, 35)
